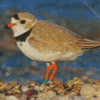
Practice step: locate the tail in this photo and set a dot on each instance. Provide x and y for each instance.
(87, 44)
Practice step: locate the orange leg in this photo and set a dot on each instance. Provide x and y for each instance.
(54, 71)
(54, 67)
(48, 71)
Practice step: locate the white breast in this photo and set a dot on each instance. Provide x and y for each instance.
(35, 54)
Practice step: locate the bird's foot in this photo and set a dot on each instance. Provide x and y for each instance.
(49, 80)
(45, 81)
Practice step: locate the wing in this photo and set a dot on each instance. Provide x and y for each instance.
(47, 36)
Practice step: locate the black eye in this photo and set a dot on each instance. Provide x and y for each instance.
(22, 21)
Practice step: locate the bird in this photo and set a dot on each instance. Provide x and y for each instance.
(47, 42)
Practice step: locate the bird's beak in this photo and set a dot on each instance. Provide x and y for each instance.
(10, 25)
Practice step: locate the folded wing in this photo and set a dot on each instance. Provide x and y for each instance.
(46, 36)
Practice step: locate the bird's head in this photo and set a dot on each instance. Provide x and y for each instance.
(21, 22)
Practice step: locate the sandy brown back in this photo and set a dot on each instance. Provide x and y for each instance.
(51, 37)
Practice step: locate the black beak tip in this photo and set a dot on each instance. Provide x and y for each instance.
(6, 27)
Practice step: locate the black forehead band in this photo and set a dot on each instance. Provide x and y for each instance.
(16, 16)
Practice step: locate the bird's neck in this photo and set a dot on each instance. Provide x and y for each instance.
(23, 37)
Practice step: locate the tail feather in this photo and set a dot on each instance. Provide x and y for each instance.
(87, 43)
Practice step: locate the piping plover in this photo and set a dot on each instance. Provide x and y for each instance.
(44, 41)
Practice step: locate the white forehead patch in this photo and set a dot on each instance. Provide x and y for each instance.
(13, 20)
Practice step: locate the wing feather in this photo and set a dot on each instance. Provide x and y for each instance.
(47, 36)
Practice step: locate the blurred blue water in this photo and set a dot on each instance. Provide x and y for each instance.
(73, 9)
(20, 62)
(67, 8)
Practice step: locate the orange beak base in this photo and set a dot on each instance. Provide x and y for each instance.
(10, 25)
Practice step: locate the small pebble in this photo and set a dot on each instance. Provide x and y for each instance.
(23, 97)
(24, 88)
(79, 98)
(55, 98)
(75, 82)
(87, 89)
(10, 92)
(34, 96)
(31, 92)
(13, 83)
(37, 83)
(17, 95)
(41, 88)
(47, 88)
(72, 94)
(43, 95)
(2, 88)
(90, 96)
(57, 81)
(36, 87)
(51, 85)
(2, 97)
(11, 98)
(16, 90)
(97, 93)
(1, 83)
(51, 94)
(91, 81)
(32, 99)
(33, 83)
(18, 87)
(40, 99)
(50, 82)
(63, 98)
(60, 91)
(98, 98)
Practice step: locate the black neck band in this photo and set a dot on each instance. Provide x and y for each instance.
(22, 37)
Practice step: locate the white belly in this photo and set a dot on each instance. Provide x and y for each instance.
(35, 54)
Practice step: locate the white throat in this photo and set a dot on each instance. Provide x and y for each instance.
(19, 30)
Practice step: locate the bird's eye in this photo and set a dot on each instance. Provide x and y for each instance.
(22, 21)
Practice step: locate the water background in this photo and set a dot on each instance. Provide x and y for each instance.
(80, 16)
